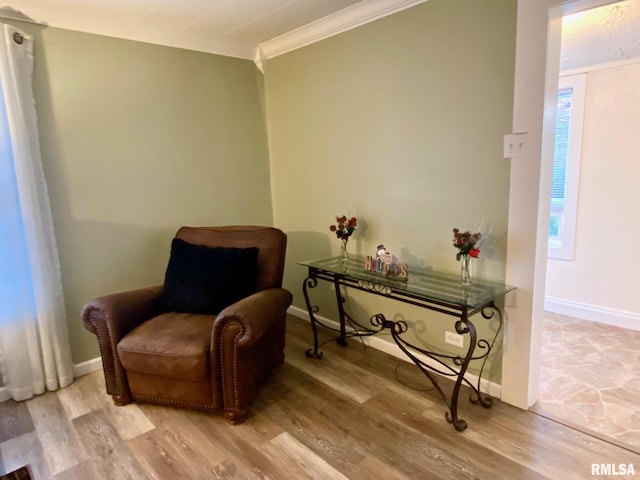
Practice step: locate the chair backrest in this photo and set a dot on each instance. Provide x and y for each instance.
(271, 242)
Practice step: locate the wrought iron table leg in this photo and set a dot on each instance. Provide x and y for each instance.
(342, 339)
(463, 326)
(487, 313)
(311, 282)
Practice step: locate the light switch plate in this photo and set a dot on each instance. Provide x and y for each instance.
(515, 145)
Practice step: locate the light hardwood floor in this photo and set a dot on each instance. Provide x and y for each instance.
(345, 416)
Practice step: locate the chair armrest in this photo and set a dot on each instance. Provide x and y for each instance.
(123, 311)
(247, 342)
(254, 315)
(110, 318)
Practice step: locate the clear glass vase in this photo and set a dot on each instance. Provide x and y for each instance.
(465, 270)
(344, 254)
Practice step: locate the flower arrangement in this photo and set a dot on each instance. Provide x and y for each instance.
(344, 227)
(465, 242)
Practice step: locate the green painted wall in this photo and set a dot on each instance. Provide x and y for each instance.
(137, 140)
(401, 123)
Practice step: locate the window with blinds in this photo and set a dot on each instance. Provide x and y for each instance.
(566, 166)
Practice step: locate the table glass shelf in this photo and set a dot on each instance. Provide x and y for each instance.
(425, 283)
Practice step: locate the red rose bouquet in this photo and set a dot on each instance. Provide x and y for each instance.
(344, 227)
(465, 242)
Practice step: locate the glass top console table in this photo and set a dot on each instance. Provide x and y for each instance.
(426, 288)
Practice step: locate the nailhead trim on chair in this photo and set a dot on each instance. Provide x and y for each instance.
(236, 406)
(95, 311)
(177, 403)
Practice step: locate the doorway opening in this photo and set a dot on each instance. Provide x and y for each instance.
(590, 360)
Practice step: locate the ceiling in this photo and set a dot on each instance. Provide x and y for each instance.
(604, 35)
(238, 28)
(262, 29)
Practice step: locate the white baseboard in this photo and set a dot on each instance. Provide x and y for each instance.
(87, 367)
(595, 313)
(491, 388)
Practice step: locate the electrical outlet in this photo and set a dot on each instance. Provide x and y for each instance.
(454, 339)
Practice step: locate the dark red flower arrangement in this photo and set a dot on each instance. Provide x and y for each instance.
(465, 242)
(344, 227)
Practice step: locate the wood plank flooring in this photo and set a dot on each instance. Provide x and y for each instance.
(346, 416)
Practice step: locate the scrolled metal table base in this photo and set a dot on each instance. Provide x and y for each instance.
(355, 328)
(454, 366)
(439, 366)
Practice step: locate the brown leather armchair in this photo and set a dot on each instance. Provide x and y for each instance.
(193, 360)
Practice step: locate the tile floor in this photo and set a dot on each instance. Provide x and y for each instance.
(590, 377)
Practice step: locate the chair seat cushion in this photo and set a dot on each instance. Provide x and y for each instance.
(172, 345)
(201, 279)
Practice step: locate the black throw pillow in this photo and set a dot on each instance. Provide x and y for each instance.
(203, 279)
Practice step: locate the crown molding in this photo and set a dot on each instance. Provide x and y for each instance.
(341, 21)
(127, 31)
(356, 15)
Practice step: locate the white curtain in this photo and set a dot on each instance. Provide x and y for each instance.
(34, 342)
